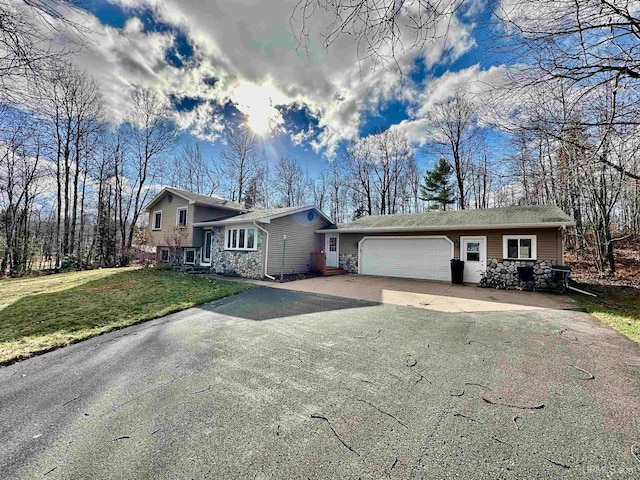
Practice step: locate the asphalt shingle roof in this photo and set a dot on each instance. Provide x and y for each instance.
(212, 200)
(525, 215)
(254, 215)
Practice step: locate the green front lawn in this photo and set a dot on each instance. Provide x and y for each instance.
(618, 307)
(42, 313)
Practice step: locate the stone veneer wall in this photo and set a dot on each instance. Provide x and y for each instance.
(349, 262)
(507, 270)
(236, 264)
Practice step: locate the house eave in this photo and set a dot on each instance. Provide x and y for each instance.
(445, 228)
(222, 223)
(265, 220)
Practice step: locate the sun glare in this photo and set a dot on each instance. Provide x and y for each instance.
(258, 121)
(256, 102)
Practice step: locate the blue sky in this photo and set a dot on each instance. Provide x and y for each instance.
(224, 62)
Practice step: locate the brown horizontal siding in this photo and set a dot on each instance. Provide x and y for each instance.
(548, 241)
(301, 241)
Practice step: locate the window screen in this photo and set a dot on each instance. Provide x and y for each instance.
(525, 248)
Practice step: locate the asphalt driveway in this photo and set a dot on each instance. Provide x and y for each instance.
(282, 384)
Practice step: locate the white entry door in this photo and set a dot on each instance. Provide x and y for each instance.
(473, 251)
(331, 248)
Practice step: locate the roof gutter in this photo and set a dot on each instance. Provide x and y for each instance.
(445, 228)
(266, 252)
(230, 221)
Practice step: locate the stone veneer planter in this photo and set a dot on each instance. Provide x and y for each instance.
(348, 262)
(507, 271)
(236, 264)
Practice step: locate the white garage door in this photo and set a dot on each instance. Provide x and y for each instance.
(409, 257)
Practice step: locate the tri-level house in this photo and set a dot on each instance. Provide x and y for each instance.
(234, 240)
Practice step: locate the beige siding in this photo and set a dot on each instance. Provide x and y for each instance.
(166, 233)
(301, 241)
(549, 244)
(195, 213)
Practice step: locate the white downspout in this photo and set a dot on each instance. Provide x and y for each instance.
(266, 251)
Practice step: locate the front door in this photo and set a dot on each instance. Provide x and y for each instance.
(331, 249)
(473, 251)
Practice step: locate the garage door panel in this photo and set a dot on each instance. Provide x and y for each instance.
(424, 258)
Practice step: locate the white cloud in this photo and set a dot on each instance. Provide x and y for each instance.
(249, 47)
(477, 82)
(418, 131)
(480, 84)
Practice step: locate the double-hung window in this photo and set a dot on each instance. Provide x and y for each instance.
(181, 217)
(519, 247)
(240, 238)
(157, 220)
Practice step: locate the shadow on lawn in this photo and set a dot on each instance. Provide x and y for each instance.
(42, 321)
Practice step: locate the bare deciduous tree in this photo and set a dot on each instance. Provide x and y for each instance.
(383, 30)
(455, 124)
(152, 135)
(26, 46)
(291, 182)
(190, 171)
(241, 162)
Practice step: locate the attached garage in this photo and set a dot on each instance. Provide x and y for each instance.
(426, 258)
(421, 245)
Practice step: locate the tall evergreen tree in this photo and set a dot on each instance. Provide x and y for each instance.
(437, 186)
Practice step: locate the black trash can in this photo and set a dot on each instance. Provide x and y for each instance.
(457, 270)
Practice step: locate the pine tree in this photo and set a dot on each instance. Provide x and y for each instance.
(437, 187)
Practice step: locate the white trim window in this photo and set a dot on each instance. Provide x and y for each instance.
(181, 217)
(519, 247)
(157, 220)
(241, 239)
(164, 255)
(189, 256)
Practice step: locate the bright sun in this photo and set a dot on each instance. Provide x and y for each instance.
(256, 102)
(259, 120)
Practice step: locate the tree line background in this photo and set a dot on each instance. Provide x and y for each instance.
(73, 186)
